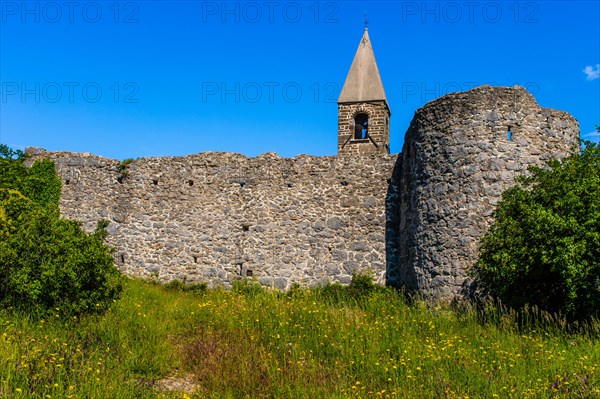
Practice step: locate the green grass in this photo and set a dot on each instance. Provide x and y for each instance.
(327, 343)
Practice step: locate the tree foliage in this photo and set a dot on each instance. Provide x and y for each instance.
(544, 246)
(47, 262)
(38, 183)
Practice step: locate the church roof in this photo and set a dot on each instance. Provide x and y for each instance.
(363, 82)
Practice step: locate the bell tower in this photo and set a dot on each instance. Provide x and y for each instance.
(363, 110)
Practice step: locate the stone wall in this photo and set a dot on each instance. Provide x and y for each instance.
(458, 158)
(415, 219)
(214, 217)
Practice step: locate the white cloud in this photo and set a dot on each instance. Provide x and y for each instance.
(592, 73)
(591, 136)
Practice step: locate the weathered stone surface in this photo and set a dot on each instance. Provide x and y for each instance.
(190, 216)
(378, 132)
(414, 219)
(456, 162)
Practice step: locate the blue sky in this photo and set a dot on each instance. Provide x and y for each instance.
(146, 78)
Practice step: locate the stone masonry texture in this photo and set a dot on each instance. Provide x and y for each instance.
(214, 217)
(458, 158)
(413, 219)
(379, 128)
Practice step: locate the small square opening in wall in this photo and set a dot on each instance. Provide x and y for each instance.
(248, 273)
(245, 228)
(122, 258)
(195, 259)
(190, 183)
(155, 182)
(67, 181)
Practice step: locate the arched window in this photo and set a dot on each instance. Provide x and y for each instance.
(361, 126)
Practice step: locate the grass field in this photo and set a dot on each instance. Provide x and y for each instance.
(161, 342)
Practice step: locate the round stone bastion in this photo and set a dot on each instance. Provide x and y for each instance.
(460, 153)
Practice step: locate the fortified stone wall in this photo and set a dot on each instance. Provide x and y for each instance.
(213, 217)
(415, 219)
(458, 158)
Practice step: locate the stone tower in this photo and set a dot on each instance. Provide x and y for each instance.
(363, 110)
(460, 153)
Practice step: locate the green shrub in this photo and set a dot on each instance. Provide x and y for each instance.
(247, 286)
(47, 262)
(361, 287)
(39, 183)
(334, 293)
(544, 248)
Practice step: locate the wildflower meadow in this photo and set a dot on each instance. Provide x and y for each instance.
(174, 341)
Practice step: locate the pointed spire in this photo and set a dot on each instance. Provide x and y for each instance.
(363, 82)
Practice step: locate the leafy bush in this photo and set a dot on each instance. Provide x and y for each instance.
(544, 247)
(38, 183)
(361, 286)
(247, 286)
(47, 262)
